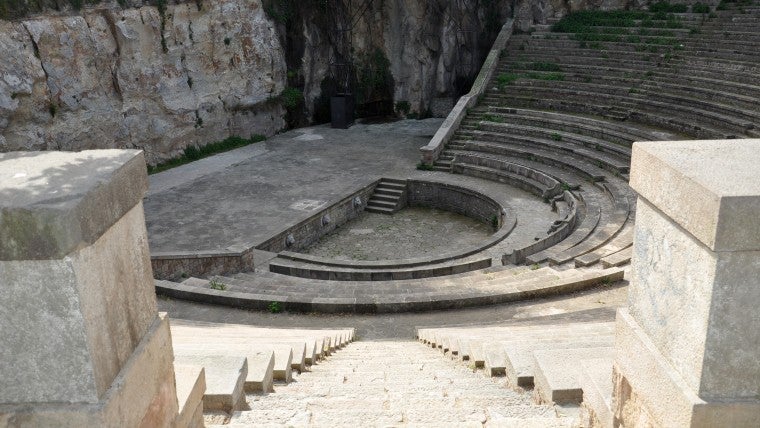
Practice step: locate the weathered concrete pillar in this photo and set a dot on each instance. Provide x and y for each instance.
(688, 344)
(82, 341)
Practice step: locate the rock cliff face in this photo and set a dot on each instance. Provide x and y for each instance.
(140, 77)
(191, 72)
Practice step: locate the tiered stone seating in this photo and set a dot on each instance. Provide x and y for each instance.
(641, 73)
(488, 286)
(223, 362)
(567, 107)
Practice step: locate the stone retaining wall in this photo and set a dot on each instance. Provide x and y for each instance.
(310, 230)
(455, 199)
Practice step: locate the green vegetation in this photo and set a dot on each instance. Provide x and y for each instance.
(424, 167)
(216, 285)
(493, 118)
(556, 137)
(545, 76)
(374, 81)
(193, 153)
(274, 307)
(700, 8)
(534, 266)
(647, 30)
(291, 98)
(724, 4)
(402, 108)
(666, 7)
(545, 66)
(504, 79)
(494, 221)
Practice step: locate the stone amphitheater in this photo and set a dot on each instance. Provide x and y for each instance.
(616, 286)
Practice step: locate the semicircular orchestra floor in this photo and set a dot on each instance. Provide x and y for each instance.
(243, 198)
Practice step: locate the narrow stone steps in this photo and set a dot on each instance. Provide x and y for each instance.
(388, 197)
(259, 376)
(443, 393)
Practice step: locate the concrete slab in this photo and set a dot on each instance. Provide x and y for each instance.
(225, 378)
(191, 384)
(596, 383)
(557, 372)
(260, 362)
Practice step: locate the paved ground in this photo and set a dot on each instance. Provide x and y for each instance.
(247, 195)
(411, 232)
(596, 304)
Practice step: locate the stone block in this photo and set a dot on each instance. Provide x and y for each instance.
(76, 320)
(698, 306)
(709, 188)
(56, 202)
(142, 395)
(649, 392)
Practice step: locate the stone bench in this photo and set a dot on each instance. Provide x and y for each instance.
(616, 138)
(587, 148)
(306, 270)
(577, 165)
(260, 363)
(610, 226)
(735, 116)
(494, 169)
(393, 296)
(682, 118)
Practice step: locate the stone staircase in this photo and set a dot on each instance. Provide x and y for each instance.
(216, 365)
(388, 197)
(565, 364)
(392, 383)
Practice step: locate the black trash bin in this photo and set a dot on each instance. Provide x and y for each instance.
(342, 111)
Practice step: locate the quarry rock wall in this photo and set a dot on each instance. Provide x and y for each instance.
(161, 76)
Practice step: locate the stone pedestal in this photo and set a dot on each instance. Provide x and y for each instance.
(82, 341)
(688, 344)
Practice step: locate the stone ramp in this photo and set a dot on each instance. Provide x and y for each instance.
(394, 383)
(220, 363)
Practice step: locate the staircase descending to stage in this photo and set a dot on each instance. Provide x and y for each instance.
(388, 197)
